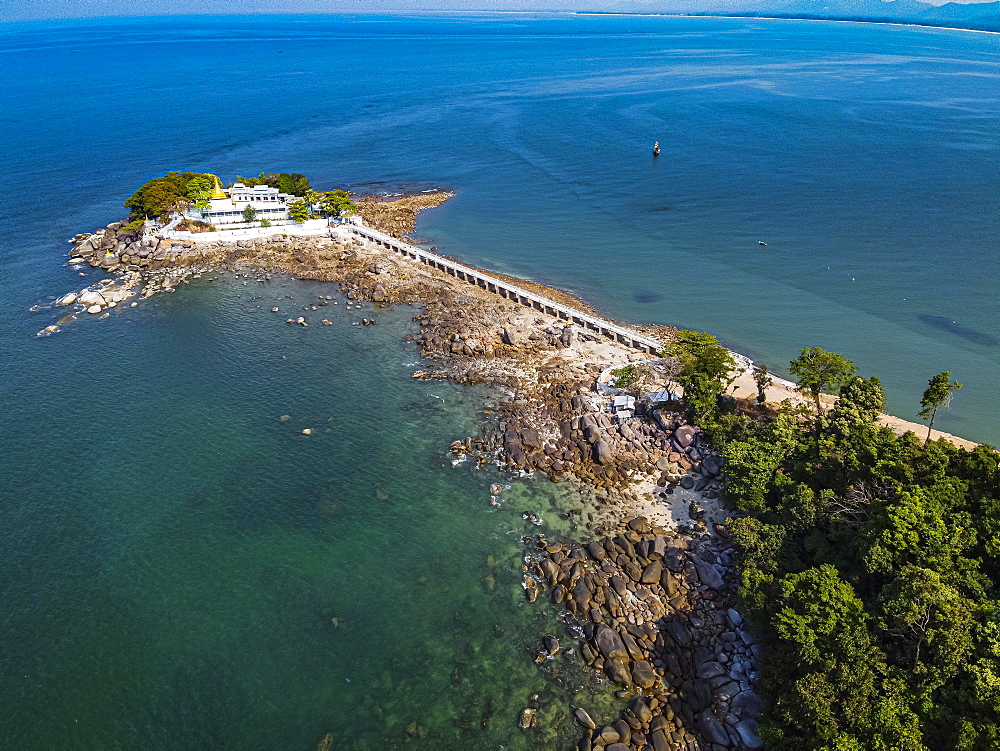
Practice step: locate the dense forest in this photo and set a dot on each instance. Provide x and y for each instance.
(869, 561)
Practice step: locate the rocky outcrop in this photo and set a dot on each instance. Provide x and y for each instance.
(653, 614)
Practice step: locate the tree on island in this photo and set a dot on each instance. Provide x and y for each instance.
(938, 394)
(199, 191)
(818, 371)
(249, 213)
(338, 203)
(294, 184)
(162, 195)
(298, 211)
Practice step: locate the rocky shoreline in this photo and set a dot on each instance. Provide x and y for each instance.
(653, 612)
(662, 639)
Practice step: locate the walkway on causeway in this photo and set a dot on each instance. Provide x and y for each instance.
(483, 280)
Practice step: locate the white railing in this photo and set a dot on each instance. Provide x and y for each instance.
(607, 327)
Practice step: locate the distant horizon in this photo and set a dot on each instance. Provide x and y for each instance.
(40, 10)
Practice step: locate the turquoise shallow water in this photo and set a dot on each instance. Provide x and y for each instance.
(175, 553)
(172, 554)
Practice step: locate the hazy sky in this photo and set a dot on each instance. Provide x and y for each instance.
(14, 10)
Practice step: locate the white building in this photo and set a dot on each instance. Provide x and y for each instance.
(227, 206)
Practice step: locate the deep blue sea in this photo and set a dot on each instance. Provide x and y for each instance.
(172, 554)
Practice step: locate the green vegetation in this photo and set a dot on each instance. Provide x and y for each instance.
(170, 192)
(294, 184)
(265, 222)
(135, 225)
(199, 191)
(705, 371)
(249, 213)
(819, 371)
(937, 395)
(178, 191)
(763, 380)
(632, 379)
(298, 211)
(869, 563)
(337, 203)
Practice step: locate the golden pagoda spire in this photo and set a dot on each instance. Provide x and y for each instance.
(217, 190)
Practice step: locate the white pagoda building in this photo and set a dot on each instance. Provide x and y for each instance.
(226, 207)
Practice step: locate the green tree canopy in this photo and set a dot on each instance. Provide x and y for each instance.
(338, 202)
(161, 195)
(199, 191)
(298, 211)
(763, 380)
(818, 370)
(923, 527)
(706, 370)
(937, 395)
(249, 213)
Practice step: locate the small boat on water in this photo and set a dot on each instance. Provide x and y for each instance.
(656, 148)
(761, 242)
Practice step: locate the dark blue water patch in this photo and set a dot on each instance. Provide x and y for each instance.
(952, 327)
(646, 296)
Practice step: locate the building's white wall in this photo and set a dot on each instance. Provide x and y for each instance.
(308, 227)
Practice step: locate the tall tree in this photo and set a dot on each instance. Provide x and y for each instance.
(337, 202)
(937, 395)
(707, 370)
(199, 190)
(249, 213)
(763, 380)
(818, 370)
(298, 211)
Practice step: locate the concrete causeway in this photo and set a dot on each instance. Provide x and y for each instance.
(481, 279)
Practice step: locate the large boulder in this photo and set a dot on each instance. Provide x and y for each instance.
(609, 643)
(708, 574)
(531, 439)
(643, 675)
(747, 730)
(617, 672)
(642, 711)
(67, 299)
(711, 669)
(602, 452)
(651, 574)
(90, 297)
(712, 729)
(660, 742)
(712, 464)
(684, 435)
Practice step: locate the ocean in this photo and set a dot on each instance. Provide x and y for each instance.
(173, 555)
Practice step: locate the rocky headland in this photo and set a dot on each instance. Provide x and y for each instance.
(648, 599)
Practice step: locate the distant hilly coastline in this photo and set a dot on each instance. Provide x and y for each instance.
(975, 16)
